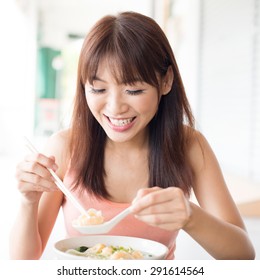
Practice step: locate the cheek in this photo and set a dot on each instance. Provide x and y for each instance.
(93, 104)
(149, 105)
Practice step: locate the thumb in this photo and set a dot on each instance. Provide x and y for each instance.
(54, 166)
(143, 192)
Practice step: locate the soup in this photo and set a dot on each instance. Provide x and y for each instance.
(103, 252)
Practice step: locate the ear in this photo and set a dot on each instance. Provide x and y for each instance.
(167, 81)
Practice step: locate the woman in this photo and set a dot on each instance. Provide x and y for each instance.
(132, 141)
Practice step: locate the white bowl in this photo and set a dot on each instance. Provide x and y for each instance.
(155, 250)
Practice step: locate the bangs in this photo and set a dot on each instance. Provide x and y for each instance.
(128, 59)
(126, 68)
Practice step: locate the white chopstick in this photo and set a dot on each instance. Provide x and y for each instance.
(58, 181)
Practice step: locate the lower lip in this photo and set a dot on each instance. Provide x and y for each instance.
(121, 128)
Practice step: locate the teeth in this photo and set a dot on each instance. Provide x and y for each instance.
(120, 122)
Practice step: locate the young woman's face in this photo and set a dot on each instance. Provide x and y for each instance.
(123, 110)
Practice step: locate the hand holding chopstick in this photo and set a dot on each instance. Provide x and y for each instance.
(58, 181)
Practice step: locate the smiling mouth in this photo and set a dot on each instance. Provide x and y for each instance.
(120, 122)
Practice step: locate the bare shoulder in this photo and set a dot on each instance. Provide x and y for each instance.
(204, 164)
(198, 149)
(58, 146)
(209, 185)
(60, 138)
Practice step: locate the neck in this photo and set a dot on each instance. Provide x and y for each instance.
(138, 144)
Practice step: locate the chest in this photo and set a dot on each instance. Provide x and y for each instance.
(125, 176)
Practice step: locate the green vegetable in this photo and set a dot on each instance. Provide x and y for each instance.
(121, 248)
(81, 249)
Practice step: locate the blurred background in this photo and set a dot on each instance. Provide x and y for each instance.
(217, 47)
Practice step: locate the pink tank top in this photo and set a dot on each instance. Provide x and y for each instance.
(130, 226)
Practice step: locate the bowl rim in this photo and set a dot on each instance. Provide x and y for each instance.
(165, 249)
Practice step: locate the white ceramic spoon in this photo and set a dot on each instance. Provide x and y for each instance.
(105, 227)
(91, 229)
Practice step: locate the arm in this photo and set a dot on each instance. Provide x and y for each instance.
(222, 232)
(215, 224)
(40, 201)
(27, 240)
(221, 239)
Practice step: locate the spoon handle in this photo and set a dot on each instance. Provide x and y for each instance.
(120, 216)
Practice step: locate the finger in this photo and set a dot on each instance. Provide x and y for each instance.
(165, 220)
(37, 180)
(169, 226)
(143, 192)
(25, 187)
(156, 220)
(48, 162)
(165, 207)
(33, 168)
(156, 197)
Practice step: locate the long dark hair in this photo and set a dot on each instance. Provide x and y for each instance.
(137, 49)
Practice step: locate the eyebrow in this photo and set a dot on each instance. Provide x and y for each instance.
(96, 78)
(137, 80)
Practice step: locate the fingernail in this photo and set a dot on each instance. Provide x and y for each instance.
(55, 167)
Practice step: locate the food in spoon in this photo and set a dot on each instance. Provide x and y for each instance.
(102, 252)
(92, 217)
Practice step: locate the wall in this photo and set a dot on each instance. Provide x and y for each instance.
(217, 46)
(229, 91)
(17, 72)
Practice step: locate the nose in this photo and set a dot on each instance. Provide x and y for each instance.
(116, 103)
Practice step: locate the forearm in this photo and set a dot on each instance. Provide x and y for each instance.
(25, 241)
(220, 239)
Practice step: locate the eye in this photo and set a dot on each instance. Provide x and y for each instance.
(135, 92)
(96, 90)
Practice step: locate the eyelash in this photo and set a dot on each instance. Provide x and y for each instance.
(130, 92)
(93, 90)
(135, 92)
